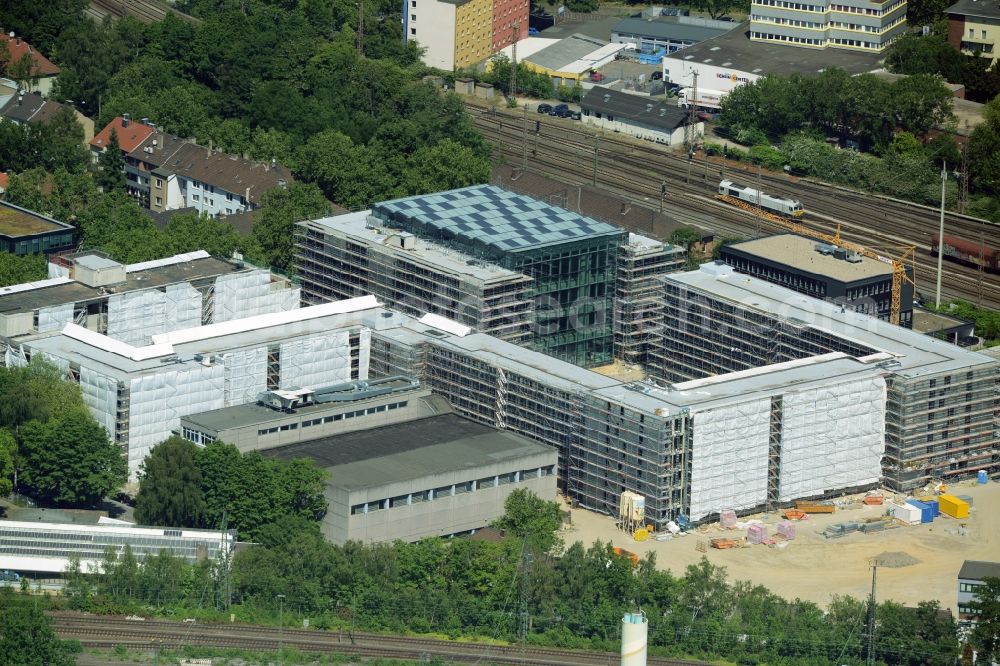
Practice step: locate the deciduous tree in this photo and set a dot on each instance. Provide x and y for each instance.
(170, 486)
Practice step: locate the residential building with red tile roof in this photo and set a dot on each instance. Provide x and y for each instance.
(43, 69)
(130, 135)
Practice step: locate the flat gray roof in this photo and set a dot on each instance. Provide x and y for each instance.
(251, 414)
(917, 354)
(412, 450)
(96, 262)
(976, 8)
(74, 292)
(734, 50)
(978, 570)
(800, 253)
(492, 217)
(565, 51)
(664, 28)
(357, 226)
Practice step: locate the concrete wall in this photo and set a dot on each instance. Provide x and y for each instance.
(441, 516)
(431, 24)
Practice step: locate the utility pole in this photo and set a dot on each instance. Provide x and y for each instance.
(597, 152)
(281, 628)
(963, 193)
(361, 29)
(691, 133)
(758, 198)
(513, 61)
(940, 253)
(524, 138)
(663, 194)
(871, 620)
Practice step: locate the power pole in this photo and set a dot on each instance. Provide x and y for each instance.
(871, 620)
(963, 193)
(524, 138)
(361, 29)
(691, 133)
(940, 254)
(513, 60)
(758, 199)
(597, 152)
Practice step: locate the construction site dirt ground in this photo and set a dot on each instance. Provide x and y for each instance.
(814, 568)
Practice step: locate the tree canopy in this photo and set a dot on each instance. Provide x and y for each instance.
(26, 636)
(985, 636)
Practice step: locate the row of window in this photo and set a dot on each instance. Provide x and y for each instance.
(333, 417)
(786, 38)
(819, 9)
(196, 436)
(451, 491)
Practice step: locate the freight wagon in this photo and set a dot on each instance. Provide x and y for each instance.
(967, 252)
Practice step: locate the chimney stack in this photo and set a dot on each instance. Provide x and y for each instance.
(209, 147)
(635, 628)
(126, 119)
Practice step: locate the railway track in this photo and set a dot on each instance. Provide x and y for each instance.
(107, 631)
(146, 11)
(636, 169)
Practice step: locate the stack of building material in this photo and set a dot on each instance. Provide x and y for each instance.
(953, 506)
(786, 529)
(875, 526)
(722, 543)
(757, 534)
(728, 519)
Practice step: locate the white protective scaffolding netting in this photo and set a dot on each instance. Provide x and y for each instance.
(136, 316)
(364, 352)
(240, 295)
(100, 394)
(729, 457)
(14, 357)
(245, 375)
(316, 361)
(182, 307)
(157, 403)
(832, 437)
(55, 317)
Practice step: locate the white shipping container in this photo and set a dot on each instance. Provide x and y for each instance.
(908, 513)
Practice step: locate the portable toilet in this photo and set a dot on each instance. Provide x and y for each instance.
(982, 476)
(926, 512)
(952, 506)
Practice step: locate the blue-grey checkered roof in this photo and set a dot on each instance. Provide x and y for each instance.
(491, 216)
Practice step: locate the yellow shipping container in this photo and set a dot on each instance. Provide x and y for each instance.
(952, 506)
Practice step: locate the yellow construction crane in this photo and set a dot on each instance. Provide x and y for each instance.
(898, 265)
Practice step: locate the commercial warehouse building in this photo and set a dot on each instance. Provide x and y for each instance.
(438, 474)
(47, 548)
(941, 418)
(566, 61)
(822, 271)
(570, 259)
(638, 116)
(671, 33)
(733, 59)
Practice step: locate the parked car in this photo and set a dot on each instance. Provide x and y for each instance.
(575, 115)
(596, 77)
(544, 108)
(656, 76)
(561, 111)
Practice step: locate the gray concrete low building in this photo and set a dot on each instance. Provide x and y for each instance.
(638, 115)
(672, 33)
(339, 409)
(970, 578)
(437, 476)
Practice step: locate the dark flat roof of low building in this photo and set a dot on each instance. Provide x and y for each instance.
(411, 450)
(74, 292)
(976, 8)
(734, 50)
(667, 29)
(978, 570)
(16, 221)
(634, 109)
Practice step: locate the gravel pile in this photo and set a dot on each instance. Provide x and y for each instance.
(895, 560)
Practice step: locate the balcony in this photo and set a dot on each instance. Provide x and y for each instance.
(978, 45)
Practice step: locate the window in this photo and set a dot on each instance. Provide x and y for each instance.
(413, 31)
(159, 183)
(972, 33)
(195, 197)
(159, 201)
(967, 587)
(413, 17)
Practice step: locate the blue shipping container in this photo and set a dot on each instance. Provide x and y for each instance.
(926, 512)
(935, 510)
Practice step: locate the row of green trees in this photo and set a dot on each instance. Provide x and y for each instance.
(573, 597)
(49, 443)
(932, 54)
(186, 486)
(863, 107)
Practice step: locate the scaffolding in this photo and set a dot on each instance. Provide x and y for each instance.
(639, 294)
(336, 263)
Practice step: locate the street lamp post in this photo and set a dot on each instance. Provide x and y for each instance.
(281, 628)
